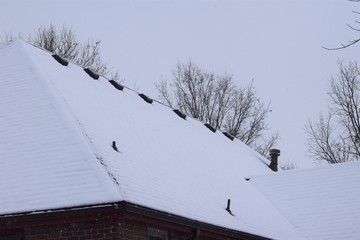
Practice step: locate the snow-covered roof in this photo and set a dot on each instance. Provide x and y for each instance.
(57, 127)
(322, 203)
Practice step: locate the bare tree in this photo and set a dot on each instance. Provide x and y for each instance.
(214, 99)
(65, 43)
(335, 138)
(288, 166)
(355, 27)
(6, 37)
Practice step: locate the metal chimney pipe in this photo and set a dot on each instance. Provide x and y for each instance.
(274, 154)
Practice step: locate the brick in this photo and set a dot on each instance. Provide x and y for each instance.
(86, 237)
(108, 229)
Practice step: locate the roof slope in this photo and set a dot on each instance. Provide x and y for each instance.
(322, 203)
(39, 142)
(57, 128)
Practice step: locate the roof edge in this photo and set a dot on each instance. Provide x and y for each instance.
(116, 209)
(133, 208)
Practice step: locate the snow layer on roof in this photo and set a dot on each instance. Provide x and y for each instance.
(45, 161)
(56, 152)
(322, 203)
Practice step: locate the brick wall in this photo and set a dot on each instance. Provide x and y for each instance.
(96, 230)
(75, 231)
(109, 223)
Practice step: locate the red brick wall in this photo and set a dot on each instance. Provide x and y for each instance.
(75, 231)
(104, 229)
(96, 224)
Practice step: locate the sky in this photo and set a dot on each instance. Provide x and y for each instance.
(275, 44)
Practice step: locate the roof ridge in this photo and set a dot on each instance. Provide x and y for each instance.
(176, 110)
(111, 79)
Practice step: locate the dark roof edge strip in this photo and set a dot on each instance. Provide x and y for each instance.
(91, 73)
(229, 136)
(179, 113)
(210, 127)
(146, 98)
(116, 85)
(64, 210)
(60, 60)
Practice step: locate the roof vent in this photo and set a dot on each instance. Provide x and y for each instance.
(116, 85)
(228, 207)
(179, 113)
(92, 74)
(60, 60)
(114, 146)
(210, 127)
(228, 135)
(274, 154)
(146, 98)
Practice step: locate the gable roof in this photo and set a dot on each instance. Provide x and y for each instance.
(322, 203)
(57, 129)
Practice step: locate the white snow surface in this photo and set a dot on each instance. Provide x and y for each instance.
(322, 203)
(57, 125)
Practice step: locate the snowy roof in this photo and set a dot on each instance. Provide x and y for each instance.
(57, 128)
(322, 203)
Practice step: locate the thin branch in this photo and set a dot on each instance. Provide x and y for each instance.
(355, 29)
(343, 45)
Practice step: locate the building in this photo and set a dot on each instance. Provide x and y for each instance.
(83, 157)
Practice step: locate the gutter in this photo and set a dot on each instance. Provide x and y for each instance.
(116, 211)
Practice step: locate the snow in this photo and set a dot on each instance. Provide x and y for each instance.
(322, 203)
(57, 127)
(38, 145)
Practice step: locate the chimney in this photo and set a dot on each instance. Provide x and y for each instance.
(274, 153)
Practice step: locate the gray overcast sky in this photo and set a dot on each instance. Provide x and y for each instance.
(275, 43)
